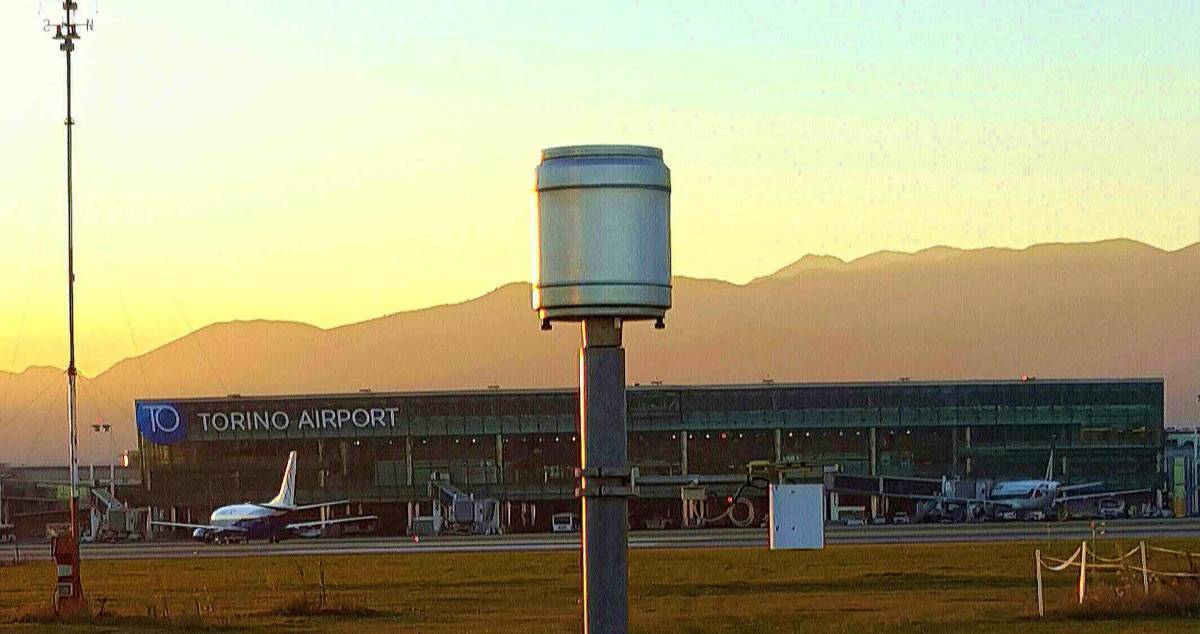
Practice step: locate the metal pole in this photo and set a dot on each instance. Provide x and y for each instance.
(1037, 564)
(1145, 572)
(69, 589)
(604, 454)
(112, 465)
(1083, 552)
(67, 46)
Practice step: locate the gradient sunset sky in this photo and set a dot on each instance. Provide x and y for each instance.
(329, 162)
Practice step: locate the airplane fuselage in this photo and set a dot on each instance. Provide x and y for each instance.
(1023, 497)
(255, 522)
(1005, 499)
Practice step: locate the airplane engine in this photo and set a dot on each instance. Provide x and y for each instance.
(201, 535)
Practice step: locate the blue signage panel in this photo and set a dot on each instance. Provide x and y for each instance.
(161, 423)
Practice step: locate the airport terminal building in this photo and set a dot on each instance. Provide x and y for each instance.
(520, 447)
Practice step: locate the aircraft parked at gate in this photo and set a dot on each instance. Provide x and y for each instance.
(268, 520)
(1014, 500)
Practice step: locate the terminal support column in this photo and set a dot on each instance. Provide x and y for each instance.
(408, 466)
(604, 457)
(499, 458)
(968, 440)
(874, 453)
(683, 436)
(954, 450)
(874, 471)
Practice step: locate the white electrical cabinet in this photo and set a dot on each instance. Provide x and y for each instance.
(797, 516)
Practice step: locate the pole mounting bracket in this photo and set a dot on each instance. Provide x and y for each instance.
(606, 482)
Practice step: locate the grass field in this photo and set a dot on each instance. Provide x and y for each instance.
(924, 588)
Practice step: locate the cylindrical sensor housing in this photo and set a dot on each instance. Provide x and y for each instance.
(603, 233)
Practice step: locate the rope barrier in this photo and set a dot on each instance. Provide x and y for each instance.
(1063, 563)
(1091, 564)
(1079, 559)
(1173, 552)
(1095, 566)
(1118, 558)
(1180, 575)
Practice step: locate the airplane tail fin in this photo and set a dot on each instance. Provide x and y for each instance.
(1050, 463)
(287, 489)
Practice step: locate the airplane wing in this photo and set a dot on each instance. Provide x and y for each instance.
(1080, 487)
(209, 527)
(944, 498)
(992, 505)
(303, 507)
(1103, 494)
(299, 526)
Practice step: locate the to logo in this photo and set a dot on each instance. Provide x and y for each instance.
(155, 414)
(160, 423)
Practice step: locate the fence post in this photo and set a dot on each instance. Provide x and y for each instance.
(1145, 571)
(1082, 571)
(1037, 562)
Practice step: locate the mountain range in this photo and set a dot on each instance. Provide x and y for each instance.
(1115, 308)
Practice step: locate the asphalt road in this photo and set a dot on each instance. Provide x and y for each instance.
(709, 538)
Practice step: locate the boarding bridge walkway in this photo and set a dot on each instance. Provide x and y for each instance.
(106, 500)
(463, 512)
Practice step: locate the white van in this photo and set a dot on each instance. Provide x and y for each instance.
(564, 523)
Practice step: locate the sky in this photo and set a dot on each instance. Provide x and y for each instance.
(329, 162)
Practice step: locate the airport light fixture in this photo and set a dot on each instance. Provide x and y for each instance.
(603, 258)
(101, 427)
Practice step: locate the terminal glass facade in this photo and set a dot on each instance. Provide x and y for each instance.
(523, 446)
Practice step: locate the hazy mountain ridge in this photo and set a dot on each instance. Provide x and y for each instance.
(878, 259)
(1105, 309)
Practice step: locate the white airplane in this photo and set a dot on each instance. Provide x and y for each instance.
(1017, 499)
(268, 520)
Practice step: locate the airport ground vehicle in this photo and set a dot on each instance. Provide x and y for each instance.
(7, 534)
(1110, 508)
(900, 518)
(564, 523)
(57, 529)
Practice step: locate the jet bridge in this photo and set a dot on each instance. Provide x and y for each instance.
(880, 489)
(884, 486)
(934, 498)
(458, 512)
(113, 520)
